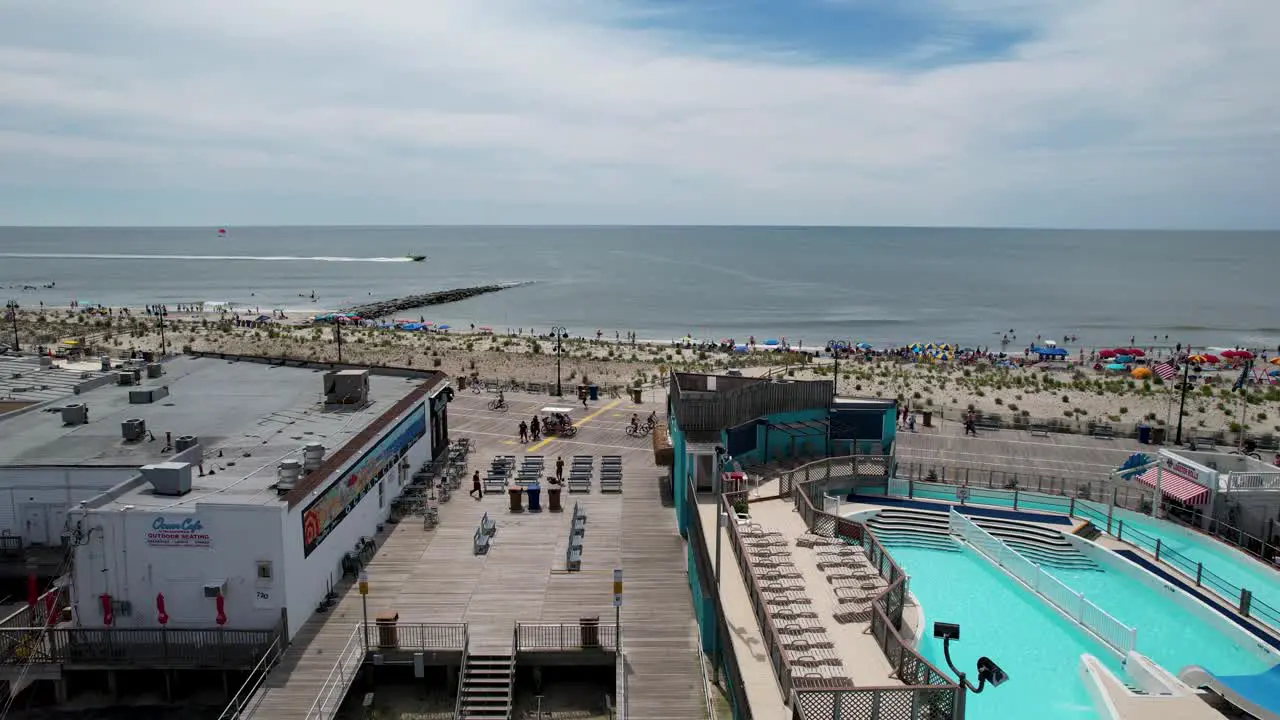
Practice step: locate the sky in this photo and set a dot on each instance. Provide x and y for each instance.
(1039, 113)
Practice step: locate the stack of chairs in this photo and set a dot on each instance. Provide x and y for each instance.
(580, 474)
(611, 474)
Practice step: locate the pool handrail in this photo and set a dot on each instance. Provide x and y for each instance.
(1084, 612)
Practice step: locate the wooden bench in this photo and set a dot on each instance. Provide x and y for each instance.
(987, 423)
(495, 483)
(611, 484)
(579, 484)
(1042, 430)
(488, 526)
(1103, 431)
(1205, 441)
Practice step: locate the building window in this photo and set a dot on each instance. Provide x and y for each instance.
(264, 570)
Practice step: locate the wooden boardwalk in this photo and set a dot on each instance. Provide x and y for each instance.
(432, 576)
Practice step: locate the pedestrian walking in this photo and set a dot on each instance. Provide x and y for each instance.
(559, 468)
(524, 432)
(536, 428)
(477, 492)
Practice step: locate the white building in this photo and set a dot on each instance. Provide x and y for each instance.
(274, 475)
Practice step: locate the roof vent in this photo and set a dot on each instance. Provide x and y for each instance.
(124, 377)
(133, 429)
(154, 370)
(168, 478)
(287, 474)
(312, 456)
(185, 442)
(106, 363)
(75, 414)
(146, 396)
(346, 387)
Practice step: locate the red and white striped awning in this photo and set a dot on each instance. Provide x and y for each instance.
(1177, 486)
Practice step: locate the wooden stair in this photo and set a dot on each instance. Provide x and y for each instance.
(486, 687)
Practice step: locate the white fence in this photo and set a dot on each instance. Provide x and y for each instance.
(1074, 605)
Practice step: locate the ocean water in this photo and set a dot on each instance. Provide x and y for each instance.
(880, 285)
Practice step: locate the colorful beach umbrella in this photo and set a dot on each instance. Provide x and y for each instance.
(771, 341)
(867, 346)
(1115, 367)
(1141, 373)
(1107, 353)
(1274, 361)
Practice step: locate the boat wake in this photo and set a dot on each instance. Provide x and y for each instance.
(261, 258)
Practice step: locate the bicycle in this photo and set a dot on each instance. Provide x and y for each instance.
(640, 430)
(498, 405)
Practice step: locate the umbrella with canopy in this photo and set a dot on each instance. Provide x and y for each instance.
(1274, 373)
(867, 346)
(1136, 352)
(1274, 361)
(1050, 351)
(1124, 358)
(442, 327)
(771, 341)
(1107, 354)
(1116, 367)
(1141, 373)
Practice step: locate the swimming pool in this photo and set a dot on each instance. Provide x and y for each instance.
(1236, 568)
(1037, 647)
(1173, 630)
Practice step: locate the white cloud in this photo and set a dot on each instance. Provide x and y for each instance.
(1114, 113)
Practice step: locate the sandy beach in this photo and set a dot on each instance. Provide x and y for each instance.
(1070, 392)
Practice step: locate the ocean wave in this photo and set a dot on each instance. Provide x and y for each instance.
(261, 258)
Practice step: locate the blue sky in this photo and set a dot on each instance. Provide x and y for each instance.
(1090, 113)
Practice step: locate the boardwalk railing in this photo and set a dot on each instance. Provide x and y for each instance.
(620, 681)
(925, 692)
(138, 647)
(1075, 605)
(339, 680)
(47, 606)
(549, 637)
(249, 689)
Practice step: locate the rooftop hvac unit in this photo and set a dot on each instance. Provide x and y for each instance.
(106, 363)
(312, 456)
(133, 429)
(154, 370)
(124, 377)
(346, 387)
(185, 442)
(168, 478)
(287, 474)
(147, 396)
(75, 414)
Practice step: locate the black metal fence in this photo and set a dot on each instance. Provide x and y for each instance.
(136, 647)
(586, 634)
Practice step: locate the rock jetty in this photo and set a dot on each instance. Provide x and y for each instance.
(382, 308)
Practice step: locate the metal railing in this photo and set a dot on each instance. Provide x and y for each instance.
(46, 609)
(334, 688)
(620, 680)
(1075, 605)
(249, 689)
(544, 637)
(139, 647)
(926, 693)
(462, 675)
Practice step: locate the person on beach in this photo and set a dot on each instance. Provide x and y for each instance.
(559, 468)
(535, 428)
(911, 422)
(524, 432)
(476, 491)
(971, 424)
(584, 400)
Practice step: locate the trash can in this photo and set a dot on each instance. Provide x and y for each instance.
(553, 499)
(1157, 435)
(517, 504)
(637, 395)
(388, 635)
(590, 631)
(593, 392)
(928, 418)
(535, 498)
(1144, 434)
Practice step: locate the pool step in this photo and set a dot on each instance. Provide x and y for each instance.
(1043, 546)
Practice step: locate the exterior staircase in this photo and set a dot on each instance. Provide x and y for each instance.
(486, 687)
(927, 528)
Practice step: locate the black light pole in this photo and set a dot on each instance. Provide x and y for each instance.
(337, 332)
(834, 346)
(12, 305)
(560, 333)
(164, 348)
(1182, 405)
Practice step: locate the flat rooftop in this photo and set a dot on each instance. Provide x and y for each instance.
(247, 416)
(23, 380)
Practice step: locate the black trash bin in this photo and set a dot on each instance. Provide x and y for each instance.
(1157, 435)
(1144, 434)
(593, 392)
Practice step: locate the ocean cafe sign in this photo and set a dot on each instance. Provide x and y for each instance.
(343, 494)
(177, 532)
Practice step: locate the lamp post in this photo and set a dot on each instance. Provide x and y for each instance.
(12, 307)
(1182, 406)
(164, 348)
(835, 346)
(560, 333)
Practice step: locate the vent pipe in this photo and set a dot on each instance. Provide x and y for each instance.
(287, 474)
(312, 456)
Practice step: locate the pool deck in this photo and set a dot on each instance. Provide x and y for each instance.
(860, 658)
(433, 575)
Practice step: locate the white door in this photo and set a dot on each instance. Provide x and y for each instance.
(57, 524)
(35, 530)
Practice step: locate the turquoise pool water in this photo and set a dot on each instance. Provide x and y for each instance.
(1231, 565)
(1036, 646)
(1167, 633)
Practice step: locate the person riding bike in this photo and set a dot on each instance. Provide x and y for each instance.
(502, 399)
(635, 423)
(652, 422)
